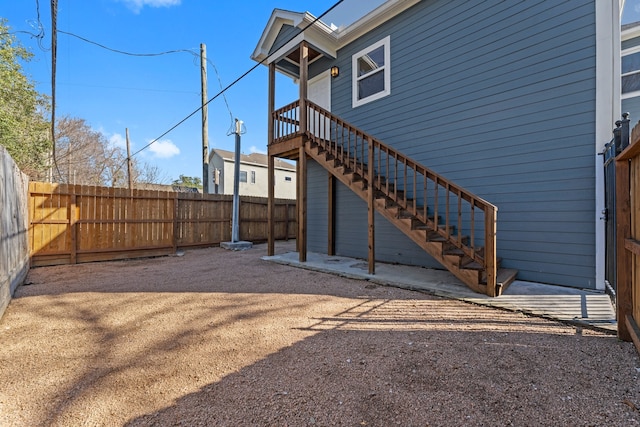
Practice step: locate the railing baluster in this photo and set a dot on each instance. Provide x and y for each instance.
(446, 212)
(459, 217)
(425, 212)
(472, 234)
(435, 203)
(404, 181)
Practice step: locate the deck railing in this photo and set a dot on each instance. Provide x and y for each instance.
(447, 210)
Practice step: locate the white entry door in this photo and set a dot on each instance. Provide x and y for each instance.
(319, 92)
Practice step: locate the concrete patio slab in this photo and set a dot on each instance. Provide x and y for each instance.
(581, 307)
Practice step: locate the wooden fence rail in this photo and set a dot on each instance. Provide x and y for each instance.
(72, 224)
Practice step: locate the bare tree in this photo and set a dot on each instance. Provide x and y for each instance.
(82, 153)
(86, 156)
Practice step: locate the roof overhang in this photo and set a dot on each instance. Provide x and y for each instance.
(323, 38)
(631, 32)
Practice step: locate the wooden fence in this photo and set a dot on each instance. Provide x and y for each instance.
(72, 224)
(628, 239)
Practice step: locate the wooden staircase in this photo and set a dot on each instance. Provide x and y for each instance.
(454, 226)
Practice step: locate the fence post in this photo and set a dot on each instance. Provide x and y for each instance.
(622, 140)
(73, 224)
(174, 240)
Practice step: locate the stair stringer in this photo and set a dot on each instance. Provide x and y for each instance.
(469, 277)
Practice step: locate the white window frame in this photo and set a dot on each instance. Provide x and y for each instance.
(626, 52)
(386, 69)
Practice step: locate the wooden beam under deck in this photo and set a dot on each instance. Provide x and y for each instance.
(288, 149)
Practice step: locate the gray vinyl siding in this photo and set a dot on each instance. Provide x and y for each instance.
(351, 224)
(287, 32)
(391, 245)
(498, 96)
(317, 196)
(632, 106)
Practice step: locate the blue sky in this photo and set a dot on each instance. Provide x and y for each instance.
(149, 95)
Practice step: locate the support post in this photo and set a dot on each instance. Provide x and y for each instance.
(302, 210)
(304, 77)
(235, 226)
(371, 209)
(301, 241)
(271, 166)
(205, 119)
(490, 218)
(331, 222)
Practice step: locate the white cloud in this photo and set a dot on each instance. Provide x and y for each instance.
(164, 149)
(254, 149)
(137, 5)
(117, 140)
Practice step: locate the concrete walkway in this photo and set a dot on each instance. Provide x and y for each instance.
(587, 308)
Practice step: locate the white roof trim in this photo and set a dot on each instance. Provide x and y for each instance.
(320, 34)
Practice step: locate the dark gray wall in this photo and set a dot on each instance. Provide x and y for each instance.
(351, 224)
(500, 97)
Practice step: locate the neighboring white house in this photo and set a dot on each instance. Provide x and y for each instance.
(253, 175)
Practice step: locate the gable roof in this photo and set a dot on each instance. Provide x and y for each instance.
(253, 158)
(324, 37)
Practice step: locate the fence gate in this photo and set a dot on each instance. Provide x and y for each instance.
(619, 141)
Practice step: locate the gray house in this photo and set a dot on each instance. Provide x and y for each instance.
(630, 68)
(452, 134)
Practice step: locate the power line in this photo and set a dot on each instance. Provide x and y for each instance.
(245, 74)
(189, 51)
(122, 52)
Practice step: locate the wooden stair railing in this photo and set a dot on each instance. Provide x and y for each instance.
(433, 211)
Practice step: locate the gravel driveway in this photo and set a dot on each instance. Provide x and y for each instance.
(219, 338)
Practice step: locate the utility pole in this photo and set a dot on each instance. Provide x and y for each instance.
(129, 164)
(235, 227)
(205, 119)
(235, 244)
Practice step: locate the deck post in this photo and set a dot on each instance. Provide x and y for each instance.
(302, 157)
(270, 166)
(371, 207)
(304, 77)
(302, 210)
(331, 221)
(490, 217)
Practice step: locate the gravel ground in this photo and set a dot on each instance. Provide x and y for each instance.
(219, 338)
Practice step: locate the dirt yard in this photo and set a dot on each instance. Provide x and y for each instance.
(218, 338)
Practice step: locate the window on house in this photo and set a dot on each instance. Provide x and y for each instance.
(631, 73)
(371, 73)
(287, 178)
(253, 177)
(243, 176)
